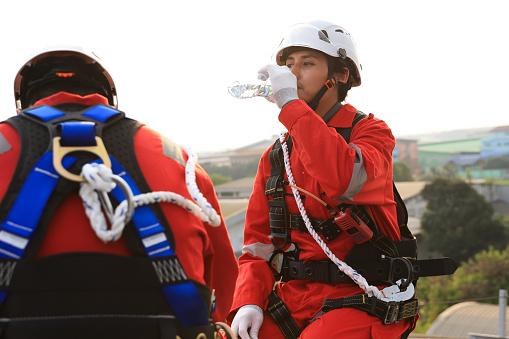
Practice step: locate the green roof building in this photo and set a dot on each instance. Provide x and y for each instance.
(438, 153)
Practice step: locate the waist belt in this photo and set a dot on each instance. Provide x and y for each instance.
(387, 270)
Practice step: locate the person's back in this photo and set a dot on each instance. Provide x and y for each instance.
(65, 280)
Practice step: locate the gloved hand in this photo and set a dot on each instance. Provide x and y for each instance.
(283, 82)
(247, 317)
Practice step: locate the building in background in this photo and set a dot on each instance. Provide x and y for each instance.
(436, 154)
(497, 144)
(406, 150)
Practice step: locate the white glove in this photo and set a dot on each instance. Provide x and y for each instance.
(247, 317)
(283, 82)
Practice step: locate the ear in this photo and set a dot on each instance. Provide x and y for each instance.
(343, 76)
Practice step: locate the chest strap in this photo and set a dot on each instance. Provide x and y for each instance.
(328, 228)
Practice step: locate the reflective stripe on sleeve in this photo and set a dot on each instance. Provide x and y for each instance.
(359, 177)
(172, 151)
(259, 250)
(4, 144)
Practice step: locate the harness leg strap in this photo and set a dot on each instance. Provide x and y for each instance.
(388, 312)
(282, 317)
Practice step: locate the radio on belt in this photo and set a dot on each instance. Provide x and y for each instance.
(349, 222)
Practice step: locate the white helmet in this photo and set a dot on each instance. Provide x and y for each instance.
(94, 72)
(325, 37)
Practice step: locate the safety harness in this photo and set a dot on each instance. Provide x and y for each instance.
(376, 257)
(84, 295)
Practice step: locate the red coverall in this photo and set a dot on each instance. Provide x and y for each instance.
(326, 166)
(203, 250)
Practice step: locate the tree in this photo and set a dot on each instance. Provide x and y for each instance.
(458, 222)
(449, 171)
(401, 172)
(480, 277)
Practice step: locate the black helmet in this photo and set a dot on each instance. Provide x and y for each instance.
(62, 66)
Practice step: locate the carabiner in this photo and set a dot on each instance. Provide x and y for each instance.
(129, 197)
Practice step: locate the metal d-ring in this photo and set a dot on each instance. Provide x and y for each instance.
(410, 271)
(60, 151)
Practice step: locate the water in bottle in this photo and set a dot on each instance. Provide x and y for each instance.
(244, 91)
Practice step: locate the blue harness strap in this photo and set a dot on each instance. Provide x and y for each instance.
(19, 226)
(184, 298)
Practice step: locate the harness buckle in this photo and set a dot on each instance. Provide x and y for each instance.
(60, 151)
(392, 313)
(331, 82)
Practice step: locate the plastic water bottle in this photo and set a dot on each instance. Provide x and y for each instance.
(244, 91)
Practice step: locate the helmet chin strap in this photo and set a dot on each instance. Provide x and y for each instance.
(331, 82)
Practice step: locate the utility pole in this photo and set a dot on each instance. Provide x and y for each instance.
(502, 304)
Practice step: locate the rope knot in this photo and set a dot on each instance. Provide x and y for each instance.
(99, 176)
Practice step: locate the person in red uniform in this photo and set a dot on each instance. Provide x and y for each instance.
(325, 165)
(205, 252)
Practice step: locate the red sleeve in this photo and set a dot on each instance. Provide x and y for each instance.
(332, 162)
(221, 268)
(205, 252)
(328, 158)
(10, 148)
(255, 280)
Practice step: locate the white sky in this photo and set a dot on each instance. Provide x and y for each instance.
(428, 66)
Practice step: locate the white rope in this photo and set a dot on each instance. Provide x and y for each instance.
(99, 178)
(207, 208)
(343, 267)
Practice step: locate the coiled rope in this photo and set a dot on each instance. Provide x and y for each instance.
(100, 180)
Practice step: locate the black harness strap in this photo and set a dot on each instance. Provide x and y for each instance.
(388, 270)
(388, 312)
(282, 316)
(277, 207)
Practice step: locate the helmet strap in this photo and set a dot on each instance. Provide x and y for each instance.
(331, 82)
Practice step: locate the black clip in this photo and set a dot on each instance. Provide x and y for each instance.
(329, 229)
(282, 265)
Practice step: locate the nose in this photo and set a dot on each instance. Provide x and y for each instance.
(295, 70)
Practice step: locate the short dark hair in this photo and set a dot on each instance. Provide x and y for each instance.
(339, 65)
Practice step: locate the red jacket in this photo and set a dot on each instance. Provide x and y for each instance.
(203, 250)
(326, 166)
